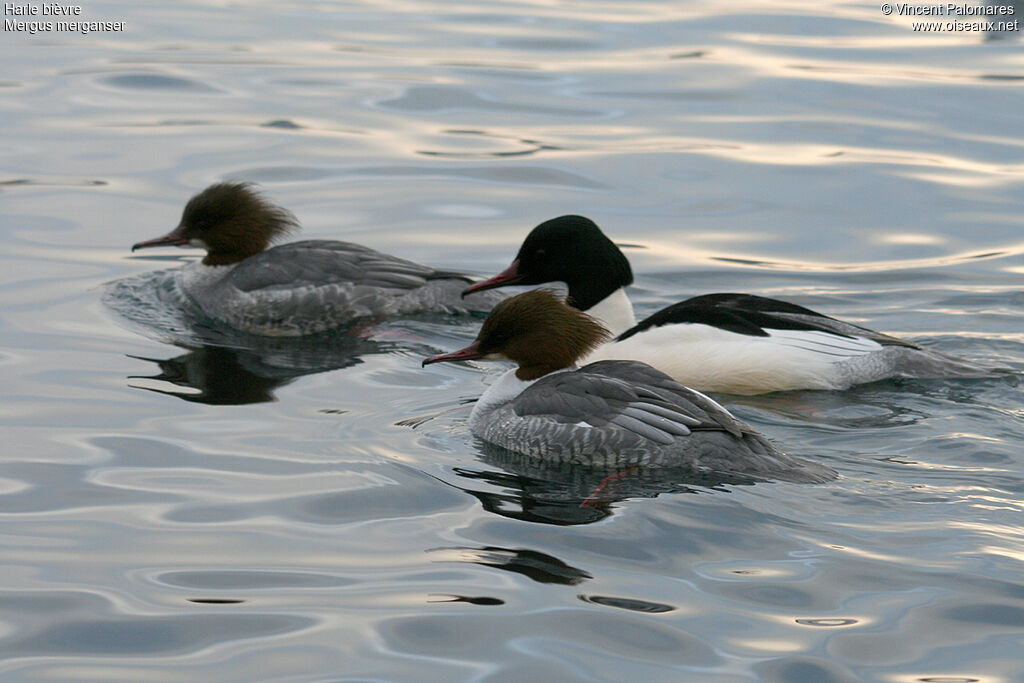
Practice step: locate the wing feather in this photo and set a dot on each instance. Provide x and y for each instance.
(628, 396)
(757, 316)
(322, 263)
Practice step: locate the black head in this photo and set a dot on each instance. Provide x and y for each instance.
(232, 221)
(569, 249)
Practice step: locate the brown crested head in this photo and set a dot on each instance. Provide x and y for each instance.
(540, 332)
(232, 221)
(537, 330)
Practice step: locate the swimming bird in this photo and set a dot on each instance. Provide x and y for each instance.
(611, 414)
(725, 342)
(297, 288)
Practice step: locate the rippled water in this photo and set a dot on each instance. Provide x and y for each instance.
(258, 510)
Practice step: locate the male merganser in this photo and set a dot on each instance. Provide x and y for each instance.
(297, 288)
(728, 343)
(611, 414)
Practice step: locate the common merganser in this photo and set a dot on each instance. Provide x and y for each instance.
(726, 342)
(615, 413)
(297, 288)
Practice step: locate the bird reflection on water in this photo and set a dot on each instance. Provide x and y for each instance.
(219, 375)
(567, 494)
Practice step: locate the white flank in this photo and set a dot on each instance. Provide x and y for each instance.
(711, 359)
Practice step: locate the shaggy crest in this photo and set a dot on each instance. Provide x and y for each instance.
(234, 221)
(540, 332)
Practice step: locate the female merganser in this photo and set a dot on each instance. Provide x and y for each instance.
(297, 288)
(728, 343)
(615, 413)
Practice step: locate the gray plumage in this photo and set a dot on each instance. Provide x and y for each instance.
(609, 414)
(309, 286)
(299, 288)
(626, 413)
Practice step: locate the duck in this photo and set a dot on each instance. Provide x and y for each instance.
(610, 414)
(729, 343)
(297, 288)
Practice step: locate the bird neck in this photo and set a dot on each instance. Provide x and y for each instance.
(615, 311)
(535, 371)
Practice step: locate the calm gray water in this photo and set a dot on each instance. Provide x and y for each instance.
(249, 510)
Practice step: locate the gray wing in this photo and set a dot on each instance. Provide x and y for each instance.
(310, 286)
(629, 396)
(621, 413)
(328, 262)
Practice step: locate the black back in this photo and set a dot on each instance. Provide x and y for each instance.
(750, 314)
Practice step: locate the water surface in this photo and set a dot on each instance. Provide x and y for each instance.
(183, 505)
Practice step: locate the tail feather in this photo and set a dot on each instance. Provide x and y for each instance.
(929, 364)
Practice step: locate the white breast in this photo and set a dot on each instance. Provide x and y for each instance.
(504, 389)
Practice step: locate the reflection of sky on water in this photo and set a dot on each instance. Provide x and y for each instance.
(314, 509)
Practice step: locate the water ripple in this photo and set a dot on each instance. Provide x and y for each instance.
(158, 82)
(185, 503)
